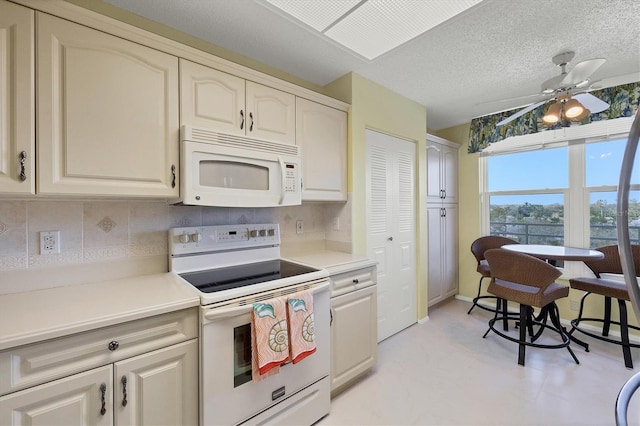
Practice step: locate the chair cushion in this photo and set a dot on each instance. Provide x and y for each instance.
(604, 287)
(527, 295)
(483, 268)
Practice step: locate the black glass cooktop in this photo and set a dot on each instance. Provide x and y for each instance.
(212, 280)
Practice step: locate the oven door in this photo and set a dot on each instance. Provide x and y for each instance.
(228, 394)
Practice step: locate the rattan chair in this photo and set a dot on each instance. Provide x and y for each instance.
(610, 289)
(478, 247)
(530, 282)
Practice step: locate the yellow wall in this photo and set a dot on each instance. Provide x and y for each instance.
(377, 108)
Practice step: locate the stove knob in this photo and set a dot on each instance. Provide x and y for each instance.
(263, 232)
(272, 232)
(184, 238)
(197, 237)
(253, 233)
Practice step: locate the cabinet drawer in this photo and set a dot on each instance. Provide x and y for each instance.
(352, 280)
(29, 365)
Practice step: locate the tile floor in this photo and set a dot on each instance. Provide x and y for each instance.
(444, 373)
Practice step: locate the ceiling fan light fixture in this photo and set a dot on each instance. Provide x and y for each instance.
(553, 114)
(573, 109)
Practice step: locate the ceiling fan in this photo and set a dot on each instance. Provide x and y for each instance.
(569, 90)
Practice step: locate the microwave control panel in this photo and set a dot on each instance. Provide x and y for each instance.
(291, 178)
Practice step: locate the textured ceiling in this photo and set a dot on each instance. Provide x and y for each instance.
(498, 49)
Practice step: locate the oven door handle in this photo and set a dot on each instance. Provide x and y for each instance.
(233, 311)
(283, 177)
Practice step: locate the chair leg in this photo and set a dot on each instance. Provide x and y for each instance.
(495, 315)
(607, 316)
(505, 314)
(554, 315)
(475, 300)
(523, 333)
(624, 333)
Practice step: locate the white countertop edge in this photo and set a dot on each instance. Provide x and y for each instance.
(40, 335)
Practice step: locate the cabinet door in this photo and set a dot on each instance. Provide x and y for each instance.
(107, 114)
(321, 131)
(160, 387)
(434, 186)
(353, 335)
(434, 255)
(211, 99)
(449, 175)
(74, 400)
(17, 113)
(270, 113)
(449, 250)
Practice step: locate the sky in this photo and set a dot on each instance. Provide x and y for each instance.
(548, 169)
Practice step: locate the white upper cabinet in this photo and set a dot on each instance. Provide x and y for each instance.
(17, 129)
(442, 171)
(219, 101)
(107, 114)
(321, 131)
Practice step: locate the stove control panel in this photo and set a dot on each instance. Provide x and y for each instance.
(200, 239)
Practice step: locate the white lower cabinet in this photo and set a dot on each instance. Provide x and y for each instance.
(147, 387)
(354, 333)
(442, 252)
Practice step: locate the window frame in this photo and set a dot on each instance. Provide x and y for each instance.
(577, 224)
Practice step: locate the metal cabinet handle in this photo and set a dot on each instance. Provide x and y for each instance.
(173, 176)
(355, 281)
(241, 119)
(251, 125)
(390, 238)
(103, 391)
(330, 317)
(23, 157)
(124, 391)
(444, 194)
(113, 345)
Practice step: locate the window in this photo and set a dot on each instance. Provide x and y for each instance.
(564, 193)
(526, 193)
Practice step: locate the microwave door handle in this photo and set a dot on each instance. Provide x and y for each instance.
(283, 176)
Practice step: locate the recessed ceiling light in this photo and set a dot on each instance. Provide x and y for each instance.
(373, 27)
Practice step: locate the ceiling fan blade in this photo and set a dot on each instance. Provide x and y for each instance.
(591, 103)
(522, 112)
(582, 71)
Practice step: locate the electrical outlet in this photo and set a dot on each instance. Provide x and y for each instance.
(573, 305)
(299, 227)
(336, 223)
(49, 242)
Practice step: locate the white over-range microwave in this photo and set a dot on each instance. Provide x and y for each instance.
(225, 170)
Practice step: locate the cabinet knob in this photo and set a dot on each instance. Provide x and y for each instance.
(113, 345)
(390, 238)
(355, 281)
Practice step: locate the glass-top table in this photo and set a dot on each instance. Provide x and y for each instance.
(548, 252)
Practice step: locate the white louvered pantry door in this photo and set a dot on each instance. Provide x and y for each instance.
(391, 228)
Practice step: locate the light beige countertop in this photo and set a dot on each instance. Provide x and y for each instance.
(334, 261)
(34, 316)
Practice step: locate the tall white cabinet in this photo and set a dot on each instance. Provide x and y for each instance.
(17, 128)
(391, 194)
(442, 219)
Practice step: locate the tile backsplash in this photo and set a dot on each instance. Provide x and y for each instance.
(100, 231)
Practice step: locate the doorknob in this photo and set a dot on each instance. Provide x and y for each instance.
(390, 238)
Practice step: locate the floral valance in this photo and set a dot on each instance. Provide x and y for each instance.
(623, 101)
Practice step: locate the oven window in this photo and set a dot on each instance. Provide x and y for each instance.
(242, 355)
(233, 175)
